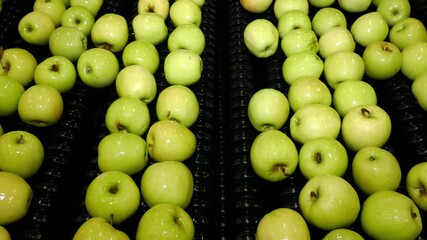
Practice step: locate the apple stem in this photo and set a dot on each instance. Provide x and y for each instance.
(365, 112)
(20, 139)
(55, 67)
(313, 195)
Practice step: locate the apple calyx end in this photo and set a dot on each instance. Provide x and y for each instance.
(318, 158)
(414, 215)
(105, 46)
(422, 191)
(313, 195)
(387, 48)
(280, 169)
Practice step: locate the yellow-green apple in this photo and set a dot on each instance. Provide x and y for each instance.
(97, 228)
(161, 7)
(352, 6)
(268, 108)
(184, 12)
(407, 32)
(418, 87)
(321, 3)
(21, 153)
(79, 17)
(369, 27)
(350, 94)
(150, 26)
(365, 126)
(187, 36)
(394, 10)
(183, 67)
(416, 183)
(324, 199)
(261, 37)
(40, 106)
(10, 92)
(97, 67)
(336, 39)
(291, 20)
(282, 223)
(112, 195)
(200, 3)
(122, 151)
(341, 66)
(383, 60)
(53, 8)
(273, 155)
(141, 52)
(68, 41)
(307, 90)
(302, 64)
(390, 215)
(4, 233)
(110, 31)
(327, 18)
(92, 5)
(313, 121)
(169, 140)
(414, 60)
(282, 6)
(165, 221)
(56, 71)
(136, 81)
(343, 234)
(16, 198)
(179, 103)
(35, 28)
(127, 114)
(322, 156)
(299, 40)
(18, 63)
(375, 169)
(256, 6)
(167, 182)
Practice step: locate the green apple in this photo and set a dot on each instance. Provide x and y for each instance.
(369, 27)
(407, 32)
(21, 153)
(92, 5)
(342, 66)
(97, 67)
(122, 151)
(329, 202)
(302, 64)
(141, 52)
(350, 94)
(41, 106)
(79, 17)
(414, 60)
(110, 31)
(390, 215)
(327, 18)
(179, 103)
(416, 183)
(4, 233)
(97, 228)
(112, 195)
(365, 126)
(375, 169)
(16, 198)
(56, 71)
(200, 3)
(53, 8)
(68, 41)
(184, 12)
(291, 20)
(169, 140)
(273, 155)
(151, 27)
(256, 6)
(307, 90)
(261, 37)
(314, 121)
(183, 67)
(187, 36)
(167, 182)
(136, 81)
(35, 28)
(128, 114)
(160, 7)
(321, 3)
(342, 234)
(417, 88)
(299, 40)
(282, 223)
(322, 156)
(10, 92)
(352, 6)
(268, 108)
(282, 6)
(165, 221)
(336, 39)
(394, 10)
(18, 63)
(383, 60)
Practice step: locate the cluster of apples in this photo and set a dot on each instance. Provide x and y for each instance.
(332, 111)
